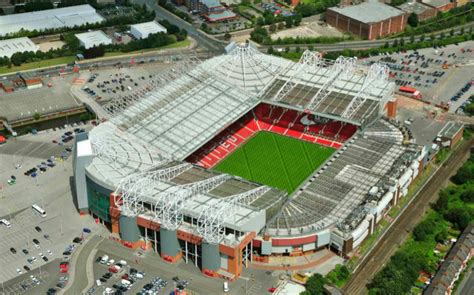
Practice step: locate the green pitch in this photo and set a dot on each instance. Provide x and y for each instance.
(275, 160)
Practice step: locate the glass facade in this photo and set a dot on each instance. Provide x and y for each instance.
(98, 199)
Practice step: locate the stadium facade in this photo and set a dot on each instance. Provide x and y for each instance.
(147, 172)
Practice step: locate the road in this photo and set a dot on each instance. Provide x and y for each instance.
(204, 40)
(400, 230)
(355, 45)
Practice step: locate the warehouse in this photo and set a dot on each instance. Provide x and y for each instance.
(49, 19)
(422, 11)
(369, 20)
(143, 30)
(12, 46)
(93, 39)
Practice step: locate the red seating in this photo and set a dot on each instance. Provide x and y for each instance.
(275, 119)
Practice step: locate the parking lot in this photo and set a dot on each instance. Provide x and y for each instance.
(118, 82)
(31, 234)
(438, 73)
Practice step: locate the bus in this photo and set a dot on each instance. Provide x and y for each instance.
(39, 210)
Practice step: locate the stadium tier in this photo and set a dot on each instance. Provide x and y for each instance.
(245, 156)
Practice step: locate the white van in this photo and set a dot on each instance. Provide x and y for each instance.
(226, 287)
(6, 223)
(104, 259)
(122, 262)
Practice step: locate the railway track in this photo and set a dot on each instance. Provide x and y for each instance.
(400, 230)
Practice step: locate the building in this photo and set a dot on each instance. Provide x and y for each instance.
(453, 265)
(212, 10)
(9, 47)
(369, 20)
(145, 173)
(49, 19)
(7, 86)
(450, 134)
(141, 31)
(422, 11)
(93, 39)
(460, 3)
(440, 5)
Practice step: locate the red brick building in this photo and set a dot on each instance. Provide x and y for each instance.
(424, 12)
(369, 20)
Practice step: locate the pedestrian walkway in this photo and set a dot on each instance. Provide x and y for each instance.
(296, 262)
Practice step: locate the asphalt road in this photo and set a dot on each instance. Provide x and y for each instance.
(403, 226)
(355, 45)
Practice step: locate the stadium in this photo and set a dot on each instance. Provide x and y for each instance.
(247, 156)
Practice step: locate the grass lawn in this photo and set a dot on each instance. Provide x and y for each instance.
(38, 64)
(275, 160)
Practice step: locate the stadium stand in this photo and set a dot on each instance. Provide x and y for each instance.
(275, 119)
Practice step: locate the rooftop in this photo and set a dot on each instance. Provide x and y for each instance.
(10, 46)
(221, 15)
(414, 7)
(368, 12)
(152, 27)
(49, 19)
(93, 38)
(436, 3)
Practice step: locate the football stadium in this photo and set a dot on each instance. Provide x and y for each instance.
(247, 156)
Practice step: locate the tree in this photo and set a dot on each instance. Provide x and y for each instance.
(36, 116)
(460, 217)
(442, 203)
(468, 195)
(395, 43)
(451, 33)
(386, 45)
(281, 26)
(402, 42)
(412, 39)
(413, 20)
(227, 36)
(463, 175)
(289, 22)
(315, 284)
(422, 38)
(423, 230)
(273, 28)
(270, 50)
(442, 236)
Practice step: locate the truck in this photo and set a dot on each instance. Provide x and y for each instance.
(414, 92)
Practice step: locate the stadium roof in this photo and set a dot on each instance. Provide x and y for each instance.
(148, 28)
(150, 135)
(49, 19)
(10, 46)
(93, 38)
(368, 12)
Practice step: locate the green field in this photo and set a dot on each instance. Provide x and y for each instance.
(275, 160)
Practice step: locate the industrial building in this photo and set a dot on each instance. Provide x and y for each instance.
(93, 39)
(143, 30)
(9, 47)
(370, 20)
(66, 17)
(212, 10)
(422, 11)
(146, 173)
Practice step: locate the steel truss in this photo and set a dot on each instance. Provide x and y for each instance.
(212, 217)
(170, 203)
(119, 104)
(342, 68)
(376, 77)
(132, 189)
(308, 59)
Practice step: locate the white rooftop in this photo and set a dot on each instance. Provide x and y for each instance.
(49, 19)
(10, 46)
(147, 28)
(369, 12)
(93, 38)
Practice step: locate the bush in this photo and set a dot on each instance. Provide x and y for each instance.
(460, 217)
(468, 195)
(315, 284)
(464, 174)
